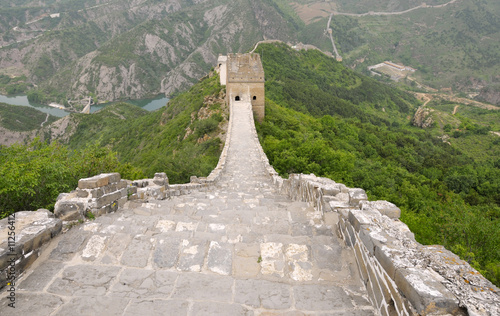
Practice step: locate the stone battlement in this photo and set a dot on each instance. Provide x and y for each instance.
(401, 276)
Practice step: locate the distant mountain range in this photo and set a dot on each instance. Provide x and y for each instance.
(114, 50)
(128, 49)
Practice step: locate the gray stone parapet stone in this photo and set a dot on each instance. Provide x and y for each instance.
(99, 195)
(402, 276)
(25, 233)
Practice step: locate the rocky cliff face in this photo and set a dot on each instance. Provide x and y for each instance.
(490, 94)
(423, 118)
(137, 48)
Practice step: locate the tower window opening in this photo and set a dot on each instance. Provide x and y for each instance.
(237, 98)
(254, 98)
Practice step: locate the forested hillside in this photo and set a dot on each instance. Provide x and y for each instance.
(447, 194)
(456, 46)
(14, 118)
(185, 138)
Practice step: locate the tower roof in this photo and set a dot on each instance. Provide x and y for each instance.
(245, 68)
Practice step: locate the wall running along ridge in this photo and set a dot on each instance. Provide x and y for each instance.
(402, 276)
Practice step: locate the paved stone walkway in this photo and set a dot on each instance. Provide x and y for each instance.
(242, 249)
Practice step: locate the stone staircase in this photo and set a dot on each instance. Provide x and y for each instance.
(237, 247)
(242, 241)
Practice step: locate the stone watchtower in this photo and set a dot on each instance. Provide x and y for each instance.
(244, 80)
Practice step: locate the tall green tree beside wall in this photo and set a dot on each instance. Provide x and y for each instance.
(33, 175)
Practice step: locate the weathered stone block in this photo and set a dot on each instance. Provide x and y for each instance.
(194, 179)
(6, 255)
(97, 192)
(93, 182)
(361, 262)
(131, 190)
(33, 237)
(82, 193)
(161, 175)
(377, 291)
(425, 292)
(396, 297)
(32, 230)
(387, 256)
(123, 192)
(160, 178)
(357, 218)
(331, 189)
(344, 212)
(338, 204)
(344, 197)
(69, 210)
(344, 234)
(62, 196)
(121, 185)
(27, 260)
(110, 188)
(356, 196)
(351, 232)
(140, 183)
(113, 177)
(386, 294)
(107, 199)
(385, 208)
(364, 236)
(373, 237)
(122, 201)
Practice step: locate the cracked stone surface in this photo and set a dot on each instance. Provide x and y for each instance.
(239, 248)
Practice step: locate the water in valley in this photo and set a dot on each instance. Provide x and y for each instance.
(146, 104)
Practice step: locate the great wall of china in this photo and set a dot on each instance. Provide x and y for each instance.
(241, 241)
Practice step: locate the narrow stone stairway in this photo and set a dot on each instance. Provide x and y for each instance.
(239, 248)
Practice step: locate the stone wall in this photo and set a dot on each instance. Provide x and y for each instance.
(25, 232)
(402, 276)
(99, 195)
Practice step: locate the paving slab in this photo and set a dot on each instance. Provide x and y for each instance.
(213, 308)
(196, 286)
(82, 306)
(157, 307)
(262, 293)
